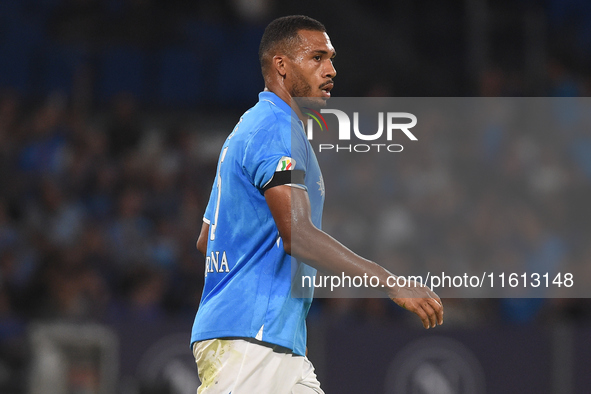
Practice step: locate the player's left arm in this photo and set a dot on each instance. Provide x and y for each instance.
(202, 240)
(291, 210)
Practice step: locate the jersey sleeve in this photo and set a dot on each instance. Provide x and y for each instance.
(271, 158)
(209, 210)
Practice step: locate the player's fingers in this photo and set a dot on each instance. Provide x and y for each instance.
(435, 297)
(438, 308)
(431, 314)
(422, 315)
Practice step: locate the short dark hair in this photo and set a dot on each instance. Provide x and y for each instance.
(282, 32)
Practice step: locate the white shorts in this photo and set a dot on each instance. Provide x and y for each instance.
(247, 366)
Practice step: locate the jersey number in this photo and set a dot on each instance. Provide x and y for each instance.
(219, 182)
(217, 205)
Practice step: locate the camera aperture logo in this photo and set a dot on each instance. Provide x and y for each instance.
(394, 122)
(315, 115)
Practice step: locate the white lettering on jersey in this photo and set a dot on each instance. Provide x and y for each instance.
(213, 263)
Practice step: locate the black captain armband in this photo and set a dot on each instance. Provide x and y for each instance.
(285, 178)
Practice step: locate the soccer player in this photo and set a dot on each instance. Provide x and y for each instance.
(249, 334)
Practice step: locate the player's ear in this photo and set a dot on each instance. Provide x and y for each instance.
(279, 64)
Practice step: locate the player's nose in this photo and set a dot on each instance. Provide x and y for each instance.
(330, 71)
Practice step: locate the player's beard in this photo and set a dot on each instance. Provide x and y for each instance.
(302, 90)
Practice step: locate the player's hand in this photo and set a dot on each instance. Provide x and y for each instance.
(421, 300)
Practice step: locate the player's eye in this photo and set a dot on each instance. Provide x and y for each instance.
(317, 57)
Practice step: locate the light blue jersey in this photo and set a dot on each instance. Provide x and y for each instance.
(248, 280)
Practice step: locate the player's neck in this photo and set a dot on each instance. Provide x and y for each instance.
(284, 95)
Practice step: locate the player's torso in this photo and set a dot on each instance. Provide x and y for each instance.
(242, 226)
(248, 283)
(243, 230)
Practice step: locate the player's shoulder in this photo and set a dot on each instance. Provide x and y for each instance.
(264, 121)
(270, 115)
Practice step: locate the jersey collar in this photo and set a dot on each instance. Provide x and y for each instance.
(275, 100)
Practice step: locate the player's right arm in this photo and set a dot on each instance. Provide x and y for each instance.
(291, 210)
(202, 240)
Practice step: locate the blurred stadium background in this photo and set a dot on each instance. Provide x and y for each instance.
(112, 113)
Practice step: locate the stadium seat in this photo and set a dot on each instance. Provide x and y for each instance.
(180, 77)
(122, 69)
(59, 67)
(205, 35)
(238, 76)
(19, 38)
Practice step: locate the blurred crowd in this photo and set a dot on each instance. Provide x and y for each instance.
(98, 220)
